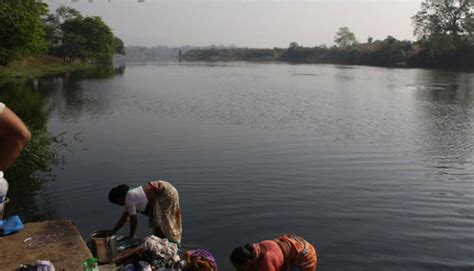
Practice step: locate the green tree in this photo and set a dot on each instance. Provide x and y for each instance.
(64, 13)
(444, 17)
(444, 26)
(294, 44)
(21, 30)
(87, 38)
(119, 48)
(344, 38)
(393, 52)
(52, 26)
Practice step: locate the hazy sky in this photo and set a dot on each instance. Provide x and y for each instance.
(257, 23)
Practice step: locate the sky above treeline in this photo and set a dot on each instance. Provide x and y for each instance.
(251, 23)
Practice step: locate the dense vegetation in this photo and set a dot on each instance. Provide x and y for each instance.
(28, 30)
(444, 29)
(234, 54)
(21, 31)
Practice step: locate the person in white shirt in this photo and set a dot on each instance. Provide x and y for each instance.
(14, 137)
(159, 200)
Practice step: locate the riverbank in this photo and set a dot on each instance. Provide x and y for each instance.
(387, 53)
(40, 66)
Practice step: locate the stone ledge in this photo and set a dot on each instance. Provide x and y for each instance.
(57, 241)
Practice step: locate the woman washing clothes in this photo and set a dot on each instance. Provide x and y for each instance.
(285, 253)
(159, 200)
(13, 137)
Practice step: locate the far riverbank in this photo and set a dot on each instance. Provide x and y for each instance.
(386, 53)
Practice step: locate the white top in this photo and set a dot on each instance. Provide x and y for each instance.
(2, 106)
(135, 200)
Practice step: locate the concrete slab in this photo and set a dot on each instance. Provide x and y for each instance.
(57, 241)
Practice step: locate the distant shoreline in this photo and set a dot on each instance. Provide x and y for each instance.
(389, 53)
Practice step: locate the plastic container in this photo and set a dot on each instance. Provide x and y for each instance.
(3, 193)
(103, 246)
(91, 265)
(10, 225)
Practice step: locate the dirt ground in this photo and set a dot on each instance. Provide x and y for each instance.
(57, 241)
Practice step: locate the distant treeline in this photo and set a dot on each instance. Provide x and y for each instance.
(445, 39)
(225, 54)
(387, 53)
(141, 53)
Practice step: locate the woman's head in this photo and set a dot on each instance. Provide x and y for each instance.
(118, 193)
(243, 257)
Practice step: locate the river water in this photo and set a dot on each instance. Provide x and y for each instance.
(373, 166)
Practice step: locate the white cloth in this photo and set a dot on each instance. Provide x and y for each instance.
(44, 266)
(135, 200)
(2, 106)
(162, 248)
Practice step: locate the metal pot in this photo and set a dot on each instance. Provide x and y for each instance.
(103, 246)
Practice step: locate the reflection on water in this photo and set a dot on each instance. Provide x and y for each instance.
(31, 101)
(67, 92)
(372, 165)
(445, 112)
(29, 174)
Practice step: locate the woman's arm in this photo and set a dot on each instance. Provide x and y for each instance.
(133, 226)
(13, 138)
(122, 220)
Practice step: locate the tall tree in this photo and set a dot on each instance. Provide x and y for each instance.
(445, 17)
(87, 38)
(21, 31)
(344, 38)
(52, 26)
(293, 44)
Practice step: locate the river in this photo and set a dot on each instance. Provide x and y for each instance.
(374, 166)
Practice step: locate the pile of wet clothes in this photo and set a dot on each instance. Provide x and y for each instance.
(161, 254)
(38, 266)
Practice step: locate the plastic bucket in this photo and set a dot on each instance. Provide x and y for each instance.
(103, 246)
(2, 207)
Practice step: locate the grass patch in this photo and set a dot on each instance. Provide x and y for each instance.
(39, 66)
